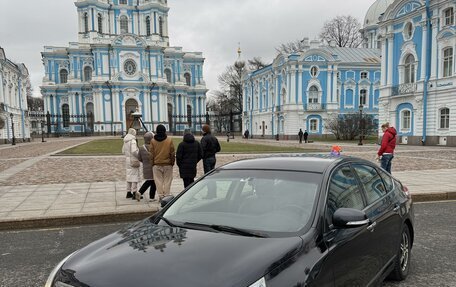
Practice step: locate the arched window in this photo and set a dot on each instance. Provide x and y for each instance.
(448, 15)
(100, 24)
(63, 76)
(168, 75)
(445, 118)
(406, 120)
(148, 25)
(123, 24)
(313, 95)
(313, 125)
(448, 62)
(90, 115)
(189, 115)
(409, 69)
(87, 74)
(408, 31)
(188, 79)
(66, 115)
(86, 23)
(362, 97)
(123, 2)
(160, 26)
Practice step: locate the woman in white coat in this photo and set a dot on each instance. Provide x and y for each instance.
(132, 164)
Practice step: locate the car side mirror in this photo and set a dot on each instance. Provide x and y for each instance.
(349, 218)
(165, 200)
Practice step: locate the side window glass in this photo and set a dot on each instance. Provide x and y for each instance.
(371, 181)
(343, 192)
(387, 180)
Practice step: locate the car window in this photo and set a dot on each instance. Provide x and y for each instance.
(343, 192)
(371, 181)
(387, 180)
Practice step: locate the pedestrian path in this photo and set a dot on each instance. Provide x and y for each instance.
(33, 203)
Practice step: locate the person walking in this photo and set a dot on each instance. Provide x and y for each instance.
(300, 134)
(210, 146)
(148, 176)
(132, 164)
(306, 136)
(162, 158)
(246, 134)
(386, 151)
(189, 153)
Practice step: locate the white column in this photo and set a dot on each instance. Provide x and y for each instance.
(2, 95)
(423, 50)
(328, 85)
(293, 86)
(334, 90)
(383, 65)
(434, 60)
(390, 59)
(299, 79)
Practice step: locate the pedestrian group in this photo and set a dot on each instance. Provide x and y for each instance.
(158, 157)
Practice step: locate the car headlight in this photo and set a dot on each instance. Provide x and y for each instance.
(259, 283)
(54, 272)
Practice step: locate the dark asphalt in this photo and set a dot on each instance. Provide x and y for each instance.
(27, 257)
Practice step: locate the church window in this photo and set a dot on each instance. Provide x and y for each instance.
(405, 120)
(449, 16)
(408, 31)
(87, 74)
(160, 26)
(100, 24)
(448, 62)
(168, 75)
(123, 2)
(445, 118)
(314, 71)
(314, 125)
(86, 23)
(313, 95)
(363, 75)
(188, 79)
(409, 69)
(130, 67)
(123, 24)
(148, 25)
(63, 76)
(362, 97)
(66, 115)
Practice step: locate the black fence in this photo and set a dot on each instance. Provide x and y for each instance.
(63, 124)
(220, 123)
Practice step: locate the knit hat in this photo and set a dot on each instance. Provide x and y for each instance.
(161, 129)
(148, 137)
(132, 132)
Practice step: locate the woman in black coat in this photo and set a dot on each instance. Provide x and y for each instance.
(189, 153)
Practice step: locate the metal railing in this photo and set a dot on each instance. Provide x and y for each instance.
(403, 89)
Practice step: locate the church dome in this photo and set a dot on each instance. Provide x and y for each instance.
(375, 11)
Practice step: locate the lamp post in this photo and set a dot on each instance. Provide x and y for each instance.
(41, 115)
(12, 129)
(151, 89)
(109, 85)
(360, 125)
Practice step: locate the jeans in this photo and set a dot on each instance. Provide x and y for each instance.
(148, 183)
(386, 162)
(209, 164)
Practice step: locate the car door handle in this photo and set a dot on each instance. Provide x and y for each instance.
(396, 208)
(371, 227)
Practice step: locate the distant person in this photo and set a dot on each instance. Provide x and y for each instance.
(162, 158)
(210, 146)
(306, 136)
(189, 153)
(386, 151)
(132, 164)
(148, 175)
(246, 134)
(300, 134)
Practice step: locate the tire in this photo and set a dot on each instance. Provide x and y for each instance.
(402, 261)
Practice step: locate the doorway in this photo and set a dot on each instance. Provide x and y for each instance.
(130, 107)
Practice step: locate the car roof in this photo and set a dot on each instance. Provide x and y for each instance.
(296, 162)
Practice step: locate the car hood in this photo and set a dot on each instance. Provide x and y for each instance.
(146, 254)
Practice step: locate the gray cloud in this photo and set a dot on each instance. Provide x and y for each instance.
(212, 26)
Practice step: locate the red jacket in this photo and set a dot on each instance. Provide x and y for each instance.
(388, 142)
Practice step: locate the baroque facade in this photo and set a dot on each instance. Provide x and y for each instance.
(308, 89)
(14, 79)
(418, 83)
(122, 64)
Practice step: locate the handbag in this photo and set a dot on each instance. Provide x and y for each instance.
(135, 162)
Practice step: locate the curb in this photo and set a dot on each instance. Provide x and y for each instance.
(438, 196)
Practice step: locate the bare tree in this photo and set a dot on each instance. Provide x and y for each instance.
(256, 63)
(220, 104)
(291, 47)
(348, 126)
(344, 30)
(231, 85)
(33, 103)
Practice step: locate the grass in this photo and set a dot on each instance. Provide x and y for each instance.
(114, 147)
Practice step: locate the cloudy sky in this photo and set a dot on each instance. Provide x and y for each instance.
(214, 27)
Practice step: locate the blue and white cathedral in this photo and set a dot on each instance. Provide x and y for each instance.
(122, 64)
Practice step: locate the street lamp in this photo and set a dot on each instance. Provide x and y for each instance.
(12, 129)
(109, 85)
(361, 107)
(151, 89)
(41, 115)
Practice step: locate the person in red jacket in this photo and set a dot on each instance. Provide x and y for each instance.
(386, 151)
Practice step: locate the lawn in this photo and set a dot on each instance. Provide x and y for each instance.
(114, 147)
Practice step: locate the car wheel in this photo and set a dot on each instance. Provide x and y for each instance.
(402, 261)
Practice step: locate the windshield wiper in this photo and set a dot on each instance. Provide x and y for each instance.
(166, 220)
(224, 228)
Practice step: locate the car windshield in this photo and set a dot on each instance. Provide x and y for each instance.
(267, 202)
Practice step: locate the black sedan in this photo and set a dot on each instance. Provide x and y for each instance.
(275, 222)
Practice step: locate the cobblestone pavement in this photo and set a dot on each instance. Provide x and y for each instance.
(73, 169)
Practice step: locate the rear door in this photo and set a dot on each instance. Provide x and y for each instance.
(385, 220)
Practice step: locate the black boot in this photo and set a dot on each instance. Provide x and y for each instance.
(129, 195)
